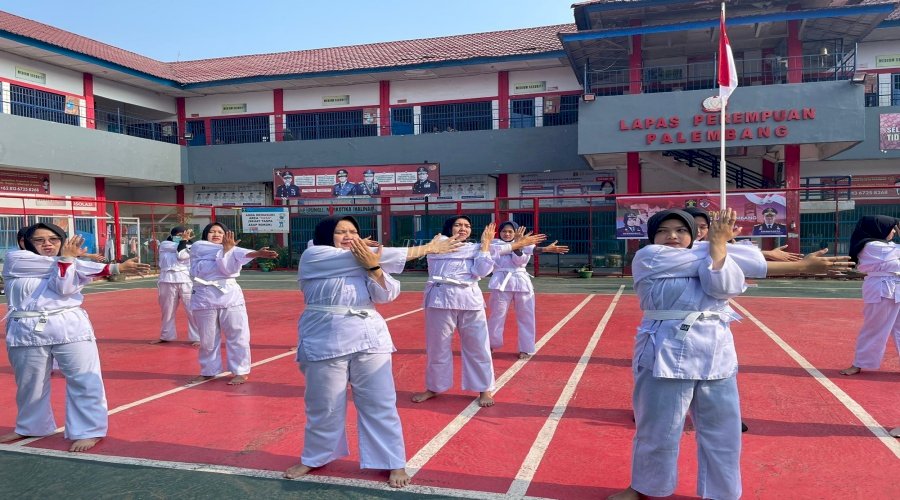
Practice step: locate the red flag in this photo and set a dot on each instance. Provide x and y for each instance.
(728, 80)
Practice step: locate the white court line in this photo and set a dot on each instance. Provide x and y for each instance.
(258, 473)
(892, 443)
(185, 387)
(431, 448)
(530, 465)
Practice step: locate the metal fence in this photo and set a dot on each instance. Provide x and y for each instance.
(587, 224)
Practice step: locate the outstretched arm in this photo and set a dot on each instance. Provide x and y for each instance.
(439, 244)
(813, 263)
(780, 255)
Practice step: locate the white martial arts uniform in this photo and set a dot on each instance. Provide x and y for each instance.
(342, 338)
(46, 323)
(175, 285)
(510, 283)
(680, 366)
(218, 307)
(880, 260)
(454, 301)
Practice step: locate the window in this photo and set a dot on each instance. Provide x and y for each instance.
(895, 89)
(196, 130)
(568, 112)
(330, 125)
(240, 130)
(457, 117)
(33, 103)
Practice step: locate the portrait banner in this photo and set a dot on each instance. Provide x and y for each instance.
(357, 181)
(758, 214)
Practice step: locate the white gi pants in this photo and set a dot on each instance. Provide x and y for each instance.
(523, 303)
(477, 366)
(880, 320)
(86, 410)
(232, 323)
(380, 433)
(169, 296)
(660, 406)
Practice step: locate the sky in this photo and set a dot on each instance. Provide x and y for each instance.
(169, 31)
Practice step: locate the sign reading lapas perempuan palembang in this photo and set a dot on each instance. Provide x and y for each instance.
(256, 220)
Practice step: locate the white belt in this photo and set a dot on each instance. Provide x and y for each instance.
(509, 272)
(222, 285)
(362, 312)
(43, 315)
(894, 274)
(440, 280)
(688, 318)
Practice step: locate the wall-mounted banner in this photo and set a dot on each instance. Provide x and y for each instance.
(889, 131)
(863, 187)
(234, 108)
(24, 182)
(758, 214)
(265, 220)
(465, 187)
(224, 195)
(368, 181)
(31, 75)
(578, 183)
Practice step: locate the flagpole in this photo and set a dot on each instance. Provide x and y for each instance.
(722, 166)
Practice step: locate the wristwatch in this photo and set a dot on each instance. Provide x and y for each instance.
(373, 268)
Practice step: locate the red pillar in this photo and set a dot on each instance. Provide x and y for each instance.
(503, 98)
(792, 151)
(278, 106)
(384, 107)
(207, 125)
(89, 100)
(182, 120)
(503, 185)
(633, 159)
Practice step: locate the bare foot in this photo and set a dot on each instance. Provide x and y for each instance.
(524, 355)
(157, 341)
(629, 494)
(423, 396)
(195, 343)
(84, 444)
(297, 471)
(485, 398)
(12, 436)
(201, 378)
(399, 478)
(853, 370)
(239, 379)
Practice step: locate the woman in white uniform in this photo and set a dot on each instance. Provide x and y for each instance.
(175, 284)
(46, 323)
(453, 301)
(343, 339)
(684, 357)
(879, 258)
(218, 302)
(511, 284)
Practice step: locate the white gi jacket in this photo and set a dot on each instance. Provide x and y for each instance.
(509, 268)
(676, 279)
(880, 260)
(211, 267)
(332, 277)
(33, 283)
(464, 266)
(174, 266)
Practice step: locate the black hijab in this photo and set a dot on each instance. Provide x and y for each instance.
(175, 230)
(448, 224)
(659, 217)
(20, 237)
(324, 234)
(209, 226)
(514, 225)
(30, 230)
(698, 212)
(870, 228)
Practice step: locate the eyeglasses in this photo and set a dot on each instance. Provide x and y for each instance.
(41, 241)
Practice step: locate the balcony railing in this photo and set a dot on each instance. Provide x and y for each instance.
(772, 70)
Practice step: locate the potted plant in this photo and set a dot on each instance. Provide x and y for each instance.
(266, 265)
(585, 271)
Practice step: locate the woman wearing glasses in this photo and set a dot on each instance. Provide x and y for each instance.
(46, 323)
